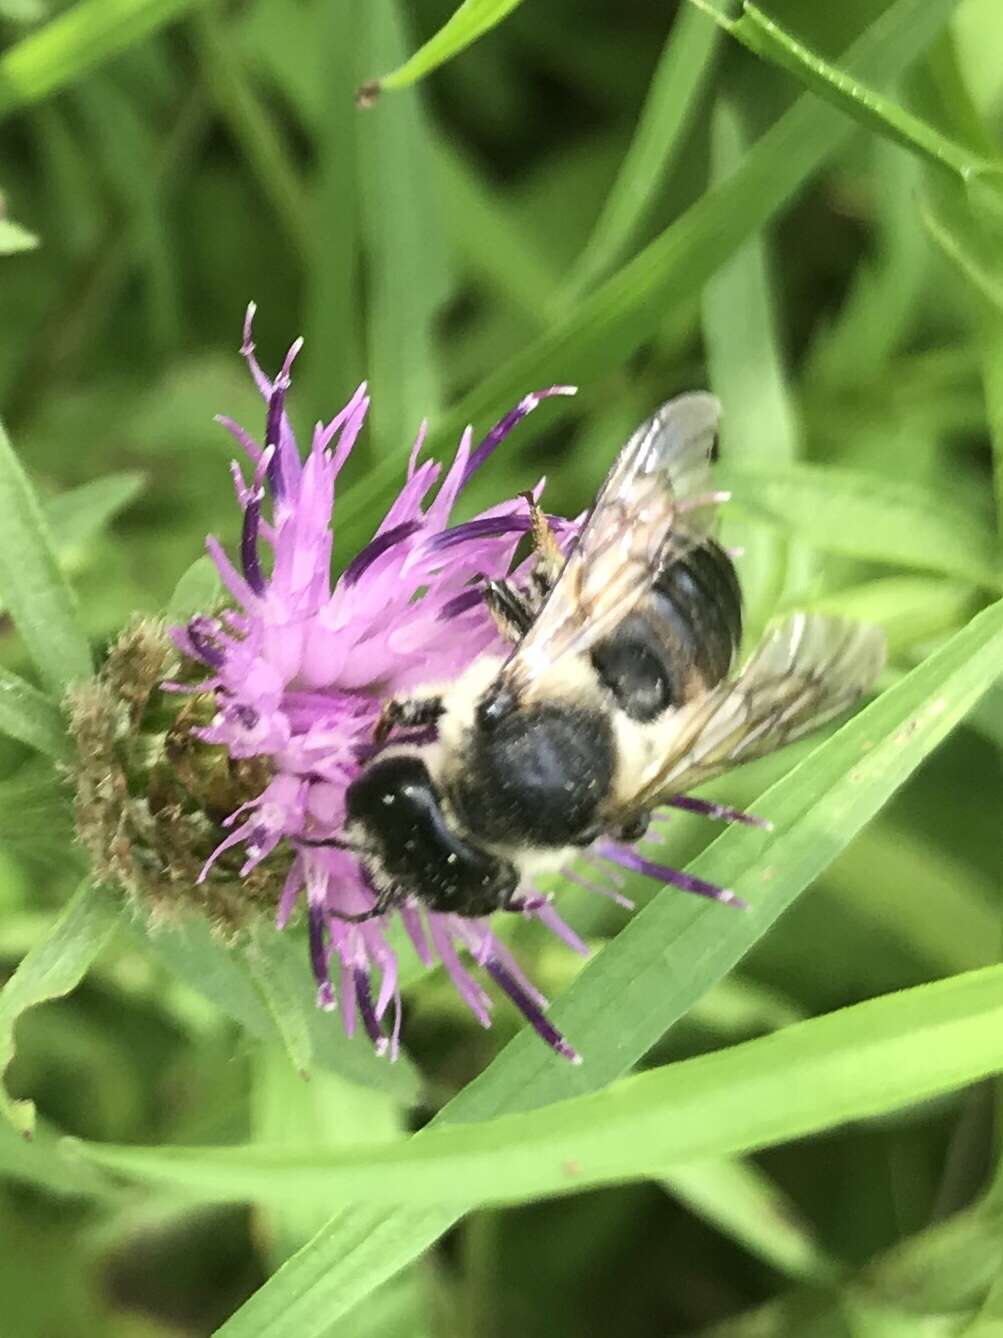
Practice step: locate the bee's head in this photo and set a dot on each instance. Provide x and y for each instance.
(412, 846)
(387, 788)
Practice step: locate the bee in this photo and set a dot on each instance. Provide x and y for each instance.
(619, 693)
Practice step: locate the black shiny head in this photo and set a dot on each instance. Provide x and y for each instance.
(411, 847)
(535, 776)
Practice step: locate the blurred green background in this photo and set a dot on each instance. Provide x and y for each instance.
(586, 195)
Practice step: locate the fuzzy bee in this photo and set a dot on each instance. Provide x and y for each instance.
(619, 693)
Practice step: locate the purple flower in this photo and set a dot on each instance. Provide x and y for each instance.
(301, 667)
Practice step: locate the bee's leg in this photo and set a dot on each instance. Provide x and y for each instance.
(510, 610)
(549, 558)
(359, 917)
(632, 831)
(519, 904)
(514, 610)
(407, 713)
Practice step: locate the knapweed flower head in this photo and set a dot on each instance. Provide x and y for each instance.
(299, 667)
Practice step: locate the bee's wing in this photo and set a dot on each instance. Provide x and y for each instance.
(655, 504)
(803, 673)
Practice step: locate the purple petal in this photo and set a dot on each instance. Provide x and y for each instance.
(364, 998)
(247, 351)
(461, 603)
(273, 435)
(505, 425)
(318, 952)
(719, 812)
(244, 438)
(411, 916)
(630, 859)
(229, 575)
(548, 915)
(249, 558)
(530, 1010)
(611, 892)
(377, 547)
(200, 631)
(488, 527)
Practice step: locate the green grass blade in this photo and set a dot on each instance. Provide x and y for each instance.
(659, 965)
(79, 515)
(852, 1064)
(988, 1323)
(190, 952)
(761, 34)
(888, 287)
(284, 1005)
(76, 517)
(966, 237)
(198, 591)
(866, 516)
(78, 39)
(677, 86)
(614, 320)
(471, 20)
(39, 1161)
(923, 1287)
(278, 963)
(963, 238)
(36, 820)
(332, 362)
(910, 609)
(740, 330)
(124, 154)
(966, 226)
(272, 997)
(259, 133)
(14, 238)
(290, 1111)
(31, 584)
(931, 901)
(407, 263)
(990, 338)
(52, 968)
(744, 1203)
(490, 239)
(32, 717)
(747, 374)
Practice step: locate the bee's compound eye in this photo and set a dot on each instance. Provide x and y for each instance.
(496, 706)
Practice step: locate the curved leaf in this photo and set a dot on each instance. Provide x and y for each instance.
(75, 41)
(31, 584)
(51, 969)
(757, 31)
(870, 517)
(14, 238)
(471, 20)
(852, 1064)
(32, 717)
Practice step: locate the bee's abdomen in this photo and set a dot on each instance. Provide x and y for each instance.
(701, 601)
(536, 777)
(682, 638)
